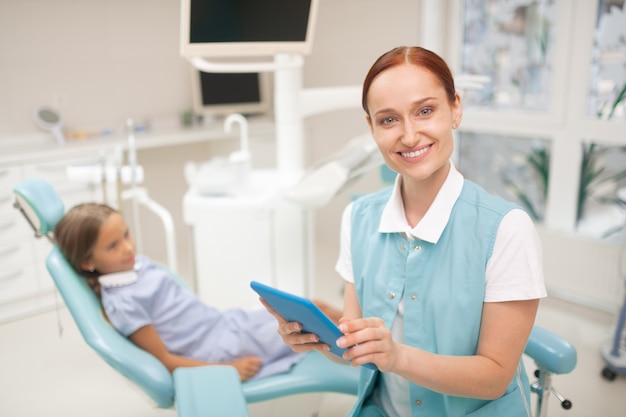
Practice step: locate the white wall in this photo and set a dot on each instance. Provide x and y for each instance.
(98, 62)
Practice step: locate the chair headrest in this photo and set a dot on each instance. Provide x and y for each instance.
(40, 203)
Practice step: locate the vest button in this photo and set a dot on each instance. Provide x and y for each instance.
(391, 295)
(403, 246)
(417, 248)
(413, 296)
(418, 402)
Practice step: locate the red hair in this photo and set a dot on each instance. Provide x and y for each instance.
(413, 55)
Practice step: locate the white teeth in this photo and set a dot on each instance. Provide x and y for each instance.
(414, 154)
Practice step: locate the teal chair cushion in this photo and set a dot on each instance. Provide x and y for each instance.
(551, 352)
(214, 388)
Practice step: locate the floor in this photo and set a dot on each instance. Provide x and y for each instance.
(46, 371)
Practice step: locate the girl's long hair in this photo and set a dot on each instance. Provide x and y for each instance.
(76, 235)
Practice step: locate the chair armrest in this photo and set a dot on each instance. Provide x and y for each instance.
(551, 352)
(314, 373)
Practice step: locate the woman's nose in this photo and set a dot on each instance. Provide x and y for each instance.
(410, 137)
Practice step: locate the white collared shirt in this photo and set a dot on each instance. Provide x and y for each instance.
(515, 270)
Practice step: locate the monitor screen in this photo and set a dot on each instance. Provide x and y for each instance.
(227, 93)
(246, 28)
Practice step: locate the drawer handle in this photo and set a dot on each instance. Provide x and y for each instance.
(9, 251)
(11, 275)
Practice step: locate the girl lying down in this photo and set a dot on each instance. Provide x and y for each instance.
(145, 302)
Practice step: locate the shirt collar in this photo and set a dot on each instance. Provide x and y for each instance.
(430, 228)
(119, 279)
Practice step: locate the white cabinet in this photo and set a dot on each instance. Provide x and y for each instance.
(17, 277)
(25, 286)
(253, 236)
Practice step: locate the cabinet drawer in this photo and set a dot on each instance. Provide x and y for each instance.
(57, 170)
(18, 275)
(6, 196)
(15, 253)
(9, 177)
(13, 226)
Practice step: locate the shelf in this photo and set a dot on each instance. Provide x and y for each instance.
(42, 147)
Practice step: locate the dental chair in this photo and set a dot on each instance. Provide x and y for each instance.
(217, 390)
(195, 392)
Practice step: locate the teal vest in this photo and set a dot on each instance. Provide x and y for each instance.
(443, 287)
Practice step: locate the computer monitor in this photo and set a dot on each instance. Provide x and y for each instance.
(221, 94)
(246, 28)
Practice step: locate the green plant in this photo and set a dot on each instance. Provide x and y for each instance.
(592, 171)
(538, 159)
(592, 178)
(620, 97)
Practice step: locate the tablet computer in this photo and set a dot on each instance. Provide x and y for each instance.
(305, 312)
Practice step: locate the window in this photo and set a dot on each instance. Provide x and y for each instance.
(552, 118)
(511, 43)
(512, 167)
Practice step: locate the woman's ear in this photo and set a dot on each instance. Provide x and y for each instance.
(369, 123)
(457, 111)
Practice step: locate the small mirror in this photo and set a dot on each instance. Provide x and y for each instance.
(49, 119)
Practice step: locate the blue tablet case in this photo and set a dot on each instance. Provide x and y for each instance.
(305, 312)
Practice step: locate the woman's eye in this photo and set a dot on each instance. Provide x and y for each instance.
(426, 111)
(387, 120)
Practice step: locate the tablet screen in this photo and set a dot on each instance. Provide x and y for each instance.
(302, 310)
(305, 312)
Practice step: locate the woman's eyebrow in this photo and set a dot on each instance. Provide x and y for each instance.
(416, 103)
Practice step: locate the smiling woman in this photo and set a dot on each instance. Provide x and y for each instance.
(426, 252)
(411, 119)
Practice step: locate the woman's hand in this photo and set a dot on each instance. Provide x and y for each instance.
(247, 367)
(368, 341)
(291, 333)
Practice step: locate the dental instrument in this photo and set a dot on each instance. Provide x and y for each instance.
(132, 161)
(49, 119)
(119, 163)
(103, 176)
